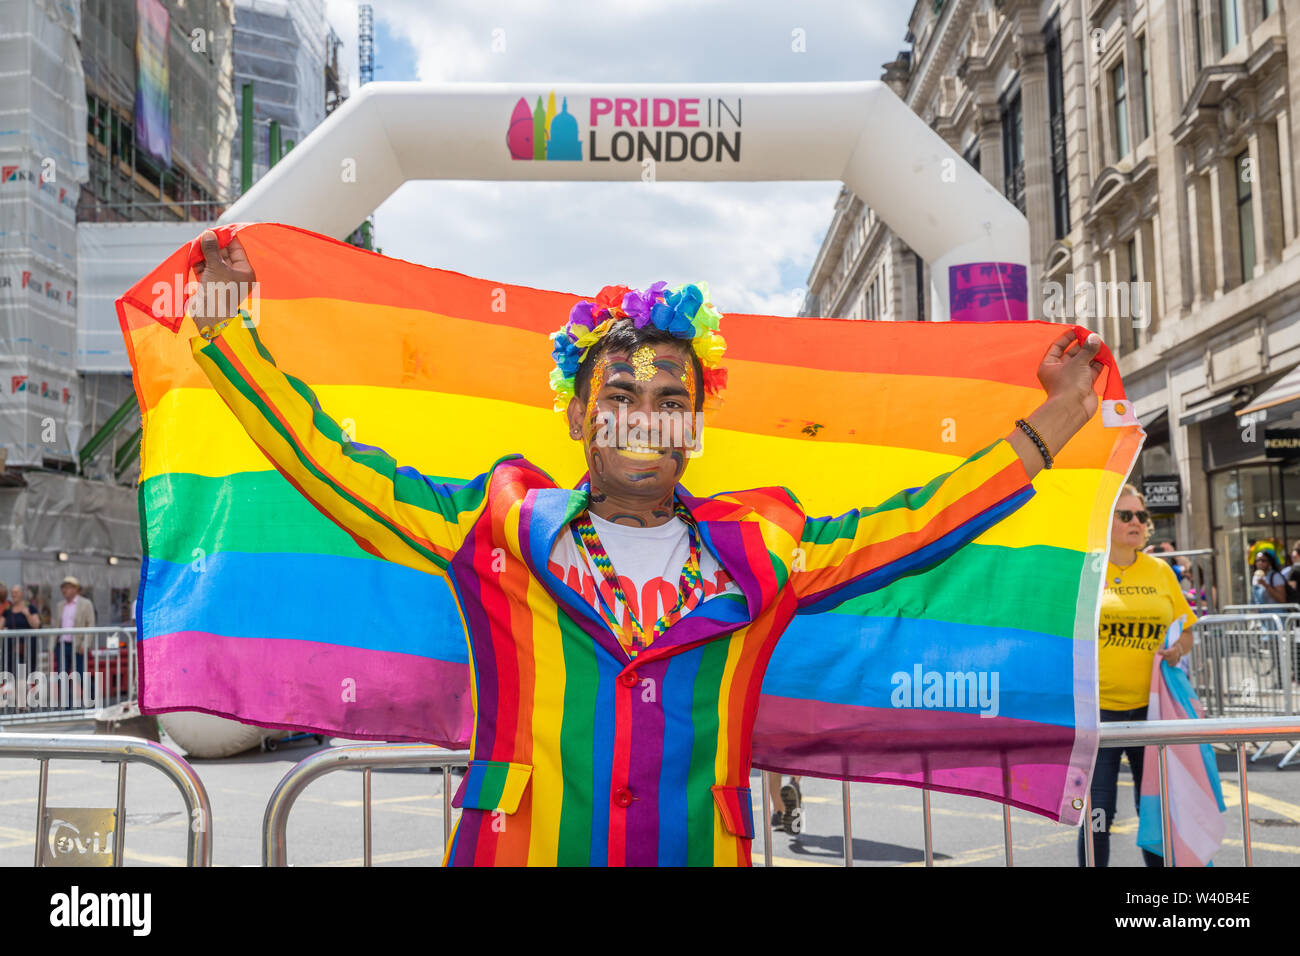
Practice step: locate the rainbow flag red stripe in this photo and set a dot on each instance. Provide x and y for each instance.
(824, 663)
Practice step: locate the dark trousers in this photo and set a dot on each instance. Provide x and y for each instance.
(1105, 792)
(68, 663)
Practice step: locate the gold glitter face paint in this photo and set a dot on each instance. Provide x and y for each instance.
(593, 388)
(688, 379)
(643, 363)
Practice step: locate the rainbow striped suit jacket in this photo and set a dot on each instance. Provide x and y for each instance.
(579, 754)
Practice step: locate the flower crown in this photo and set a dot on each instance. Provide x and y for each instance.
(684, 312)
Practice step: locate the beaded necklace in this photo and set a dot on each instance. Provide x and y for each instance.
(584, 532)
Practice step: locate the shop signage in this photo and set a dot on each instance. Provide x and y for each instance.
(1282, 442)
(1164, 494)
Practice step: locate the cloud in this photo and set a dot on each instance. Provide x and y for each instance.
(578, 237)
(753, 242)
(648, 40)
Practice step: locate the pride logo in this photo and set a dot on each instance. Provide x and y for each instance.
(543, 133)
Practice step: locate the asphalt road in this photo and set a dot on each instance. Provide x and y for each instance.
(326, 826)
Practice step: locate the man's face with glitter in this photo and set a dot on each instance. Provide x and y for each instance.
(637, 421)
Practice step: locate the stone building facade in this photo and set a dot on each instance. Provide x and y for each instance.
(1151, 147)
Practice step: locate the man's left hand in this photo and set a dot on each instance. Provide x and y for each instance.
(1068, 373)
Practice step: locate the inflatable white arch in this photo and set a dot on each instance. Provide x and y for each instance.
(862, 134)
(859, 133)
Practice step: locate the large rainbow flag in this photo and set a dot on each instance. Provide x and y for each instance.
(975, 676)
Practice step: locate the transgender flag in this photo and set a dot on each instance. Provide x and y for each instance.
(1195, 798)
(976, 675)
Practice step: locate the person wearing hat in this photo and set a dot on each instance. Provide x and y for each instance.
(75, 611)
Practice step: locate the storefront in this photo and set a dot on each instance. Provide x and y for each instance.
(1252, 457)
(1156, 475)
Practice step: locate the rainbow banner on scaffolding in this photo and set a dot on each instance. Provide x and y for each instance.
(974, 676)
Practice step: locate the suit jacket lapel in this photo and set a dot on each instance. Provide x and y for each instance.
(733, 541)
(545, 516)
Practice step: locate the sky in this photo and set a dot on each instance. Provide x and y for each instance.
(754, 243)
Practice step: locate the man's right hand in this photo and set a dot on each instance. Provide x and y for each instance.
(226, 278)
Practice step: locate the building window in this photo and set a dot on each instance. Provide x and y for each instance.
(1129, 332)
(1245, 215)
(1119, 97)
(972, 155)
(1196, 33)
(1146, 86)
(873, 300)
(1013, 150)
(1230, 19)
(1056, 119)
(1269, 7)
(920, 286)
(1250, 503)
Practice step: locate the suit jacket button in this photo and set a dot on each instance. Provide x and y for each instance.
(628, 679)
(623, 797)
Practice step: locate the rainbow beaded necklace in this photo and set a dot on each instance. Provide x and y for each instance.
(584, 532)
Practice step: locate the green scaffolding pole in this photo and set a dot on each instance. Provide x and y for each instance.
(246, 140)
(106, 432)
(128, 453)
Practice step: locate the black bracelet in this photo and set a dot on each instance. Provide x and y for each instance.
(1037, 439)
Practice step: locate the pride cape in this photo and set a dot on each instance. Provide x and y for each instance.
(1195, 796)
(973, 676)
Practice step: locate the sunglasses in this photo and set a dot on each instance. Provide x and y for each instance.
(1125, 516)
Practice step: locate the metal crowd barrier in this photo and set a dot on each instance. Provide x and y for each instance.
(121, 750)
(1166, 733)
(1161, 734)
(1201, 574)
(1245, 664)
(352, 756)
(45, 679)
(1292, 625)
(1260, 609)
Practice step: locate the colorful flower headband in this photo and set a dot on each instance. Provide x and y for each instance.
(684, 312)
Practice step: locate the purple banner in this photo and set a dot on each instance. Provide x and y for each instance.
(988, 292)
(153, 126)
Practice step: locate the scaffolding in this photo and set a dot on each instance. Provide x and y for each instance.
(281, 49)
(366, 43)
(336, 81)
(42, 164)
(127, 184)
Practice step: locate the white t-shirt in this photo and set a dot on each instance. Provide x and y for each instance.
(648, 562)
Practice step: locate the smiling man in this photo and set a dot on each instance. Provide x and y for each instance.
(619, 631)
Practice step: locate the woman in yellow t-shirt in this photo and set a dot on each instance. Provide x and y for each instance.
(1142, 598)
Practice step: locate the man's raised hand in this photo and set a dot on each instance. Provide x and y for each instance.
(225, 277)
(1068, 373)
